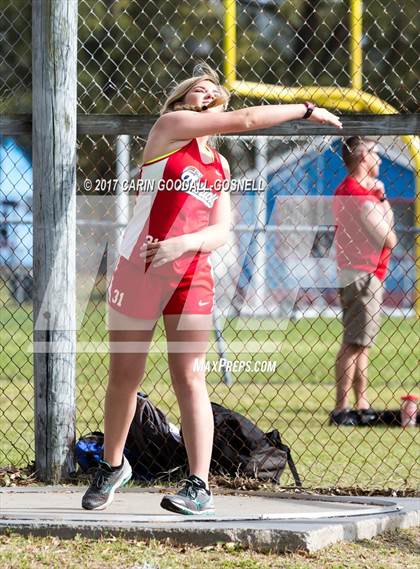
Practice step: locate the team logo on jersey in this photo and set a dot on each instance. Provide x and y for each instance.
(194, 186)
(191, 175)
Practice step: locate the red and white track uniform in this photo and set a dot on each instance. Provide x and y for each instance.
(183, 194)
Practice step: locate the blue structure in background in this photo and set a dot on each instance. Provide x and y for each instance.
(16, 235)
(319, 174)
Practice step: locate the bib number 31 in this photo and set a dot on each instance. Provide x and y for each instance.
(117, 297)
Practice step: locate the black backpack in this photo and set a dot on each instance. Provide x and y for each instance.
(155, 449)
(242, 448)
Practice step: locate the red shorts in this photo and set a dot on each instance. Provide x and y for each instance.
(145, 295)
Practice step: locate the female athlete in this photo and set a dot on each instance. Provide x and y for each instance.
(164, 269)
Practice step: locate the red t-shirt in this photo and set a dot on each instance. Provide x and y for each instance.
(355, 247)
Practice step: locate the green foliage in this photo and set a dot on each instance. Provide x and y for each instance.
(130, 52)
(15, 56)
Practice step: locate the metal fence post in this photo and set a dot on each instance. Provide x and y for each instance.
(122, 170)
(258, 299)
(54, 41)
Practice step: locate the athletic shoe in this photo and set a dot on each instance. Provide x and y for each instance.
(192, 499)
(345, 418)
(368, 417)
(104, 483)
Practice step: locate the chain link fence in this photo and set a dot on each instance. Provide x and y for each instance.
(130, 53)
(280, 270)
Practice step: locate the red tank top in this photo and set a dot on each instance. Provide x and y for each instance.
(181, 197)
(354, 245)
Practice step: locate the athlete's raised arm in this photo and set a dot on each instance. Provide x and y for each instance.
(185, 125)
(196, 109)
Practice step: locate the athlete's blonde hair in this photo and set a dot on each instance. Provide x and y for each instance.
(202, 72)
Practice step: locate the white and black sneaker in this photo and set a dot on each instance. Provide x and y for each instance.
(192, 499)
(104, 483)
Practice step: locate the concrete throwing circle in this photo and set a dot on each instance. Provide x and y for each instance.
(142, 506)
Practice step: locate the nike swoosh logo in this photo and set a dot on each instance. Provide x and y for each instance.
(201, 303)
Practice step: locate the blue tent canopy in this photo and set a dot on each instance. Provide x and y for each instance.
(15, 205)
(319, 174)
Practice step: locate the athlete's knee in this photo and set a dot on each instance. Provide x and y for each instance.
(189, 380)
(125, 376)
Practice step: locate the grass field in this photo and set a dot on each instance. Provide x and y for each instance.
(296, 398)
(393, 550)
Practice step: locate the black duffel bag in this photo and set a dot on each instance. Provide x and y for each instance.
(241, 448)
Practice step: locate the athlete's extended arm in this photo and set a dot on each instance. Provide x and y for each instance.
(185, 125)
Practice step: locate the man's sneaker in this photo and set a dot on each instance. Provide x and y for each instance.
(345, 417)
(192, 499)
(104, 483)
(368, 417)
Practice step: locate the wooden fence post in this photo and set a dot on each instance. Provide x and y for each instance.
(54, 111)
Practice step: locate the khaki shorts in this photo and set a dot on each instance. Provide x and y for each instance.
(361, 301)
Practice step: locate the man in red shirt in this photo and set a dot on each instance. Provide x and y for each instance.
(364, 239)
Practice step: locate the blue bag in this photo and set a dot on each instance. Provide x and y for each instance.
(89, 450)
